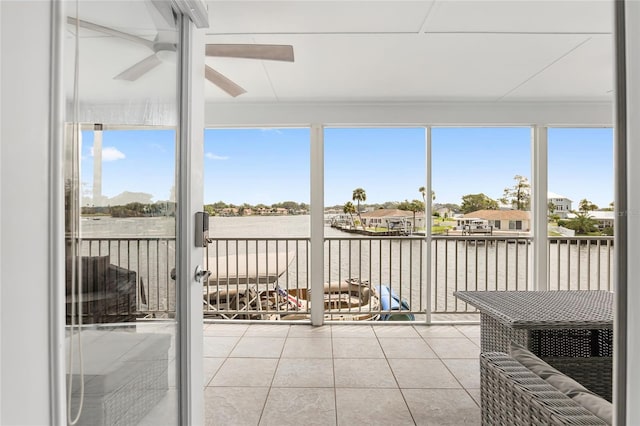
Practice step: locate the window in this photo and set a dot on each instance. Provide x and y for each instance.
(515, 225)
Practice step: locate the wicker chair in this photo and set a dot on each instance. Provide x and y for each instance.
(512, 395)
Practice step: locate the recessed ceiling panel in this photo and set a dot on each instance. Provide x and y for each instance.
(411, 67)
(541, 16)
(277, 17)
(583, 75)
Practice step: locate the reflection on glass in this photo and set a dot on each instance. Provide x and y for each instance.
(120, 215)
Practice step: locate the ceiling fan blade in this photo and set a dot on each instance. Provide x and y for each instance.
(223, 82)
(272, 52)
(138, 70)
(110, 31)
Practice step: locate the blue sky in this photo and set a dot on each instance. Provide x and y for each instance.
(272, 165)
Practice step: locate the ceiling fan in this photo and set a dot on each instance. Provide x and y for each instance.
(164, 44)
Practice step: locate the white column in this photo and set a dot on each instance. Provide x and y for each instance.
(426, 259)
(539, 210)
(190, 200)
(97, 165)
(316, 272)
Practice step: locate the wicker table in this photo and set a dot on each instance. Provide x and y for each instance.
(571, 330)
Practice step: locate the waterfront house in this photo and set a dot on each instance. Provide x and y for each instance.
(392, 218)
(562, 205)
(504, 220)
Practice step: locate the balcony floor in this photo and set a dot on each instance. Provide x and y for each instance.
(268, 374)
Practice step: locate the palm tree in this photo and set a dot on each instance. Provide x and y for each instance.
(423, 191)
(582, 223)
(416, 206)
(349, 209)
(359, 195)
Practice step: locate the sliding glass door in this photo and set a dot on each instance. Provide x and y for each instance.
(127, 358)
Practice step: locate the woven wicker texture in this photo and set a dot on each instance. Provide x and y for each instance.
(514, 396)
(545, 309)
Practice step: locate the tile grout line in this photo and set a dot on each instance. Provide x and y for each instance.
(264, 406)
(454, 376)
(404, 399)
(226, 358)
(447, 367)
(333, 366)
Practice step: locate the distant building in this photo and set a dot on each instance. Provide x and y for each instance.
(387, 217)
(445, 212)
(562, 204)
(504, 220)
(229, 211)
(604, 218)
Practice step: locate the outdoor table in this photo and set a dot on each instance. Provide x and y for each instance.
(570, 330)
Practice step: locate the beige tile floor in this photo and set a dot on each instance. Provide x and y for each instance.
(278, 374)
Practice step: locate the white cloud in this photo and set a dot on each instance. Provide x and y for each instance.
(212, 156)
(271, 129)
(110, 153)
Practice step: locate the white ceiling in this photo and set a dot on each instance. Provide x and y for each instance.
(375, 51)
(419, 50)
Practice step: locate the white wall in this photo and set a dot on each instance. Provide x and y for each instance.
(24, 114)
(442, 113)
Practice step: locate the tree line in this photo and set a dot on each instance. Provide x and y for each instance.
(518, 197)
(221, 207)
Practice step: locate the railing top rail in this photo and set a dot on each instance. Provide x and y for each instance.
(260, 239)
(169, 238)
(436, 237)
(483, 237)
(584, 237)
(364, 238)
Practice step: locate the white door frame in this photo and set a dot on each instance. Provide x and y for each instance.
(189, 182)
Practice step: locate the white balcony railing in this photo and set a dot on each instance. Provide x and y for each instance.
(268, 278)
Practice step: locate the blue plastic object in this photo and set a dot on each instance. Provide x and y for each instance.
(390, 301)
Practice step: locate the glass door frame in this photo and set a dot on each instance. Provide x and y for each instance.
(189, 182)
(189, 172)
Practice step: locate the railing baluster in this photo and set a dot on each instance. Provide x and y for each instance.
(495, 257)
(516, 261)
(486, 264)
(421, 283)
(526, 266)
(476, 264)
(435, 275)
(558, 263)
(446, 275)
